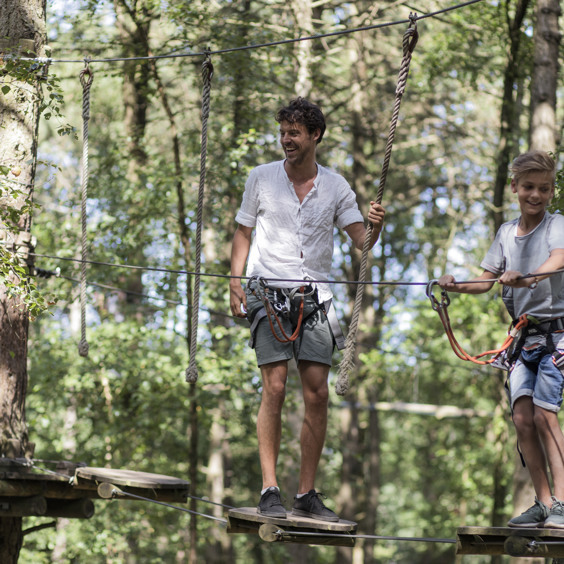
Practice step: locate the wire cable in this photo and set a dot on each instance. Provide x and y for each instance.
(117, 492)
(47, 60)
(273, 280)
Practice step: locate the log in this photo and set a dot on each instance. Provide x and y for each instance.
(23, 506)
(82, 508)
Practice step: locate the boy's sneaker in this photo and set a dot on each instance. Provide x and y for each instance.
(270, 504)
(533, 517)
(310, 505)
(555, 519)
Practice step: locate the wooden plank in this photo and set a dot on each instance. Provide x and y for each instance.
(82, 482)
(63, 489)
(129, 478)
(541, 542)
(250, 514)
(294, 529)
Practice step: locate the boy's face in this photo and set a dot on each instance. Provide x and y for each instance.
(534, 192)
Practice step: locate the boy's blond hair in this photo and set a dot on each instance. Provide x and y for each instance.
(533, 161)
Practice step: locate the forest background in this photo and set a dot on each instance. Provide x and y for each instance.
(422, 442)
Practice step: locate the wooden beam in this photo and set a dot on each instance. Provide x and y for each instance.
(542, 542)
(294, 529)
(82, 508)
(22, 506)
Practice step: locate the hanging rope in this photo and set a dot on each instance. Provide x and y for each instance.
(410, 38)
(442, 309)
(207, 73)
(86, 78)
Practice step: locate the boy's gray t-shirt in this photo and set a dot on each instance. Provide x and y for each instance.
(525, 253)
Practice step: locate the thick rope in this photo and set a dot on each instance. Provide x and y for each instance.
(207, 73)
(410, 38)
(86, 78)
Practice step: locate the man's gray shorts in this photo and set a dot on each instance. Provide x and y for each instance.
(314, 342)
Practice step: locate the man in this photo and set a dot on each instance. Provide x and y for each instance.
(293, 205)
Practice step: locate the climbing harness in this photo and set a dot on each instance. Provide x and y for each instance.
(410, 39)
(277, 303)
(510, 350)
(504, 355)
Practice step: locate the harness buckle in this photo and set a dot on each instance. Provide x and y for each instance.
(501, 361)
(558, 359)
(281, 306)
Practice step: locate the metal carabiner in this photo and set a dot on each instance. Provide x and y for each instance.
(445, 300)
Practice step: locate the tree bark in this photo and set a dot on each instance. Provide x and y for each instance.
(547, 37)
(302, 12)
(509, 119)
(23, 30)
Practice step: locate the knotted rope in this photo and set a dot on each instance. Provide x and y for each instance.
(86, 78)
(207, 73)
(410, 38)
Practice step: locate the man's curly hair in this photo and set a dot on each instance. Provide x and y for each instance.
(302, 111)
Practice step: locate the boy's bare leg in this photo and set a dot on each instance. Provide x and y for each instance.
(531, 447)
(553, 441)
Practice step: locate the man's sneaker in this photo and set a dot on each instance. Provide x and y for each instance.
(555, 519)
(270, 504)
(533, 517)
(310, 505)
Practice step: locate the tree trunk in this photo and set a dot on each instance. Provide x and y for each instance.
(547, 38)
(302, 12)
(509, 126)
(23, 30)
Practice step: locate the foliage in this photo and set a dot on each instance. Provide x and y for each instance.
(127, 405)
(18, 76)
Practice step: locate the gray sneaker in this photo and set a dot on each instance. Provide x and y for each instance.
(555, 519)
(533, 517)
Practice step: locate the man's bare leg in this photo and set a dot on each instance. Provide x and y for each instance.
(316, 396)
(269, 419)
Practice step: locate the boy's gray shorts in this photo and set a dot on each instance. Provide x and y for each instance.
(314, 343)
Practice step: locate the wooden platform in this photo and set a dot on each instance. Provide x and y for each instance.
(67, 489)
(293, 529)
(544, 543)
(153, 486)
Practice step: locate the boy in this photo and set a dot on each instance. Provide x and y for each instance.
(533, 244)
